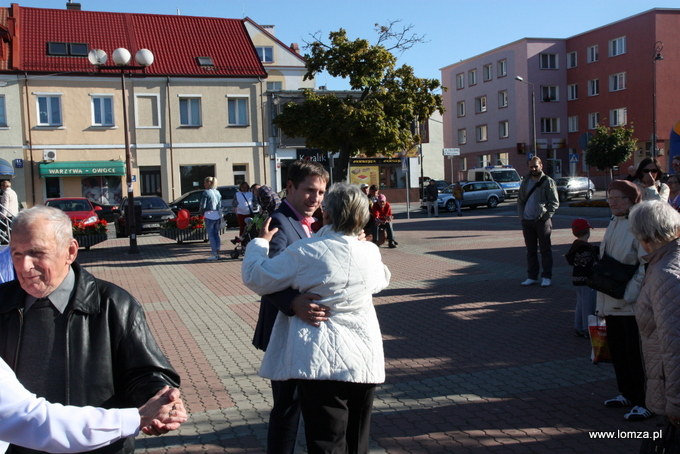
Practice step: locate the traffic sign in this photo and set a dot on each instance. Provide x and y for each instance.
(451, 151)
(573, 158)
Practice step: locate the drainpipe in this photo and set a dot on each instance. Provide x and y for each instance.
(172, 159)
(265, 161)
(30, 139)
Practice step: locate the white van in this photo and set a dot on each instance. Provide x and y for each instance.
(506, 176)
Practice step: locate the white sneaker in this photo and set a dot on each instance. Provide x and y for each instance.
(213, 257)
(530, 282)
(545, 282)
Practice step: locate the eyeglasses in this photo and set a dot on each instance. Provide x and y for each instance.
(650, 170)
(617, 199)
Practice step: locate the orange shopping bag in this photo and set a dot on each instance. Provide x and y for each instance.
(598, 339)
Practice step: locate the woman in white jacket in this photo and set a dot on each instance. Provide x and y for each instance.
(338, 364)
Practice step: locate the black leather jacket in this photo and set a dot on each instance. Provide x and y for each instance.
(113, 359)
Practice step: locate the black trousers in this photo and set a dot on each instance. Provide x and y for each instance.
(284, 418)
(623, 338)
(337, 415)
(537, 236)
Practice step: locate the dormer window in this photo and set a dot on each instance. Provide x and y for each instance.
(205, 62)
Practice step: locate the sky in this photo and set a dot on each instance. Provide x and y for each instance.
(454, 30)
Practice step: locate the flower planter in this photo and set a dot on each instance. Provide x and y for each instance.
(182, 235)
(87, 241)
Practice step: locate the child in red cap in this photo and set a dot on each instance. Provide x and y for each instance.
(582, 256)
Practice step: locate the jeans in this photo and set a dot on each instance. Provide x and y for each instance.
(585, 305)
(537, 235)
(213, 229)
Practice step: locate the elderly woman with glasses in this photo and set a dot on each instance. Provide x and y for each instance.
(338, 364)
(656, 225)
(622, 331)
(648, 178)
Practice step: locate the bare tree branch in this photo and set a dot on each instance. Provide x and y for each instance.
(403, 39)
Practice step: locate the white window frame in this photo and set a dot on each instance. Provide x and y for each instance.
(274, 86)
(482, 133)
(572, 60)
(460, 108)
(3, 111)
(593, 120)
(550, 125)
(572, 92)
(480, 104)
(50, 97)
(550, 91)
(573, 123)
(502, 68)
(158, 110)
(235, 99)
(102, 109)
(460, 81)
(593, 87)
(618, 117)
(503, 129)
(552, 61)
(617, 46)
(487, 72)
(462, 136)
(472, 77)
(263, 56)
(617, 82)
(484, 160)
(593, 54)
(190, 122)
(502, 99)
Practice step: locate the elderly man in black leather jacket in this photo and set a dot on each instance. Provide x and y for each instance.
(70, 337)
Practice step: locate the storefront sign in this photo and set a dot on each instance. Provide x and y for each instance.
(312, 154)
(81, 168)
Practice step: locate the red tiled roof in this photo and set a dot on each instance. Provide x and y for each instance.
(175, 41)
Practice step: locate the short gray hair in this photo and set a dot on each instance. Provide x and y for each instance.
(347, 208)
(654, 221)
(61, 223)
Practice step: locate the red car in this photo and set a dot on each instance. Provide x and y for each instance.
(77, 208)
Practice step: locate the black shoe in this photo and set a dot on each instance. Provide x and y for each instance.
(393, 244)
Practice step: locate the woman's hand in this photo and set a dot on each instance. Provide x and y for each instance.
(267, 234)
(648, 179)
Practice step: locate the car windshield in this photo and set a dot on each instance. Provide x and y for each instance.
(505, 176)
(151, 203)
(447, 190)
(562, 181)
(227, 193)
(70, 205)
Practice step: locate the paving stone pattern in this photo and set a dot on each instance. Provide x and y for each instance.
(475, 362)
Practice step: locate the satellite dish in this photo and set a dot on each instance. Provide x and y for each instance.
(97, 57)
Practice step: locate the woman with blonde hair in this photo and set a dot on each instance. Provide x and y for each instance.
(211, 208)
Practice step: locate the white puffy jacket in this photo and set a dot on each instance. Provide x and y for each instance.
(345, 272)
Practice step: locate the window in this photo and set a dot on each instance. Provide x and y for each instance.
(550, 125)
(502, 159)
(617, 117)
(483, 161)
(573, 124)
(240, 171)
(593, 87)
(548, 61)
(549, 93)
(3, 112)
(472, 77)
(67, 49)
(502, 99)
(593, 54)
(480, 104)
(482, 133)
(49, 110)
(274, 86)
(147, 111)
(502, 68)
(266, 54)
(617, 82)
(503, 129)
(572, 60)
(237, 111)
(617, 46)
(461, 109)
(102, 110)
(462, 163)
(488, 72)
(572, 92)
(593, 120)
(206, 62)
(460, 81)
(190, 111)
(462, 137)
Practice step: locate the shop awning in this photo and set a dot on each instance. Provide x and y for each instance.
(6, 168)
(81, 168)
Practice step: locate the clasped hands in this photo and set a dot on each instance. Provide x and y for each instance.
(163, 412)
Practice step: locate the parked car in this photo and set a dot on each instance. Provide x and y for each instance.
(77, 208)
(105, 212)
(570, 187)
(475, 193)
(190, 201)
(154, 213)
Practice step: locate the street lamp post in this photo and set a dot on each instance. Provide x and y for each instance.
(533, 112)
(656, 56)
(121, 57)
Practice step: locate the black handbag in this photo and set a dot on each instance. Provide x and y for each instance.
(668, 443)
(611, 277)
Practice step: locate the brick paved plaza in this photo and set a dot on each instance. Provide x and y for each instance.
(475, 362)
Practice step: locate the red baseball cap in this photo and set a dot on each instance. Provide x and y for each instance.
(580, 224)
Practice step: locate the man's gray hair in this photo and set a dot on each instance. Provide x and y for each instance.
(347, 208)
(654, 221)
(61, 223)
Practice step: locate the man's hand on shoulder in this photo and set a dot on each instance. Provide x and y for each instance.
(305, 307)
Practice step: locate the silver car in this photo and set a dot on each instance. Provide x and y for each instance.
(570, 187)
(475, 193)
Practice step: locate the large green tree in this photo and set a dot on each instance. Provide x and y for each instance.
(609, 147)
(378, 116)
